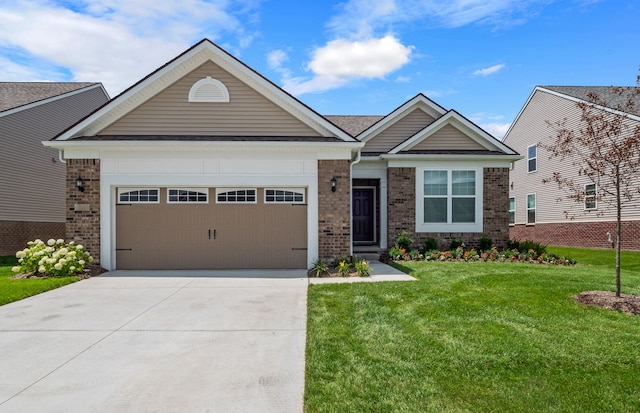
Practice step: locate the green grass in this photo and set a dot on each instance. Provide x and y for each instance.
(14, 290)
(475, 337)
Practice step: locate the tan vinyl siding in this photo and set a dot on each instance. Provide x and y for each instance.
(32, 178)
(247, 114)
(448, 138)
(551, 202)
(398, 132)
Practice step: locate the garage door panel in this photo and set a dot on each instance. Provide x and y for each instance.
(211, 236)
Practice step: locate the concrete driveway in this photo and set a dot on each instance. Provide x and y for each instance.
(158, 342)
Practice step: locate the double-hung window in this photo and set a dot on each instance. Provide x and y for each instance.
(531, 208)
(532, 158)
(590, 193)
(451, 200)
(512, 210)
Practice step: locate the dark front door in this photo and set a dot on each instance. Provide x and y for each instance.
(363, 214)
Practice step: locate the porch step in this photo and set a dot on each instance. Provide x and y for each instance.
(368, 252)
(368, 256)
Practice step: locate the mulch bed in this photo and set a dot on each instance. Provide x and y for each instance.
(332, 272)
(626, 303)
(91, 271)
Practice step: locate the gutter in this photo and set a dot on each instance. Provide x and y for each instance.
(353, 162)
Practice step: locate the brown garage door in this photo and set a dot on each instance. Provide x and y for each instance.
(242, 230)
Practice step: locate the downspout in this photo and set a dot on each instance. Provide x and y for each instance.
(353, 162)
(61, 156)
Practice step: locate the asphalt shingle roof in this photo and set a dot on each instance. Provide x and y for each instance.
(604, 93)
(16, 94)
(353, 125)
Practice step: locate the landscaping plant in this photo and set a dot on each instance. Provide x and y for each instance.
(55, 258)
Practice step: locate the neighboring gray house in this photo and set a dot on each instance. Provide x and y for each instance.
(205, 163)
(32, 177)
(541, 212)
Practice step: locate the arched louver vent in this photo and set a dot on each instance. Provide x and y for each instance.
(208, 90)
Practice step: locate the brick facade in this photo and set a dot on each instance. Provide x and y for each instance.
(83, 226)
(14, 235)
(579, 234)
(334, 209)
(402, 209)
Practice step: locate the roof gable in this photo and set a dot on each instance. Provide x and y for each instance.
(245, 113)
(420, 101)
(575, 94)
(462, 134)
(165, 76)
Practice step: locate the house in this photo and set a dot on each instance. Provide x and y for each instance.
(32, 204)
(542, 212)
(205, 163)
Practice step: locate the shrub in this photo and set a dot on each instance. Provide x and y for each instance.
(403, 241)
(485, 243)
(55, 258)
(430, 244)
(396, 253)
(319, 267)
(455, 243)
(513, 245)
(528, 245)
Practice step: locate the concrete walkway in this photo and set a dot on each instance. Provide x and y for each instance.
(157, 342)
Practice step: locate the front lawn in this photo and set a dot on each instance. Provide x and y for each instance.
(475, 337)
(14, 290)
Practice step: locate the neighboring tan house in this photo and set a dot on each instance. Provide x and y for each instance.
(32, 188)
(542, 212)
(207, 164)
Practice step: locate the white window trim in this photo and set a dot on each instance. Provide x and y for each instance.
(204, 191)
(535, 209)
(595, 197)
(448, 227)
(512, 210)
(295, 190)
(223, 190)
(535, 157)
(123, 190)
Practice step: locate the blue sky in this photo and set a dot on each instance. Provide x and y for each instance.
(361, 57)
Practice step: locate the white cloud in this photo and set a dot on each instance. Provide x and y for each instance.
(341, 61)
(116, 42)
(489, 70)
(497, 129)
(276, 58)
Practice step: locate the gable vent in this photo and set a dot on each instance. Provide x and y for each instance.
(208, 90)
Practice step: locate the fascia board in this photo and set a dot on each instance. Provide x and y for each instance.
(419, 101)
(153, 146)
(450, 157)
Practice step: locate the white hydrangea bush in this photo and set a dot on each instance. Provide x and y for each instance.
(53, 258)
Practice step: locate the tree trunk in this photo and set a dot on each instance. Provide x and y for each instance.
(618, 230)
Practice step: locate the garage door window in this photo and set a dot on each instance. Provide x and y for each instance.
(138, 196)
(188, 196)
(236, 196)
(284, 196)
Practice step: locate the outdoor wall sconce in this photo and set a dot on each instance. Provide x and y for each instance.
(80, 184)
(333, 184)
